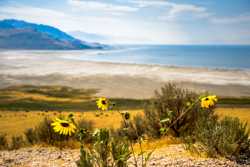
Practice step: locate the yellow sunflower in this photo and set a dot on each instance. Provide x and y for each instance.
(214, 98)
(102, 103)
(208, 101)
(63, 127)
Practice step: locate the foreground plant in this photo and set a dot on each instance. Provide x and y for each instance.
(129, 126)
(102, 103)
(227, 137)
(107, 150)
(208, 101)
(185, 114)
(64, 127)
(103, 151)
(3, 142)
(173, 111)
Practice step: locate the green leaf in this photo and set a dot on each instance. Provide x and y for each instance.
(163, 131)
(125, 129)
(165, 120)
(148, 155)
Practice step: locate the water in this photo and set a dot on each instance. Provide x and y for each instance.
(226, 57)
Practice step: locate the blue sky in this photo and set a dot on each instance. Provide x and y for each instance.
(140, 21)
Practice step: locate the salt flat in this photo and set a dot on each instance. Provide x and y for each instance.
(116, 79)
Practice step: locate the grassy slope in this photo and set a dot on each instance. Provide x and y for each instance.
(61, 98)
(25, 99)
(15, 123)
(56, 98)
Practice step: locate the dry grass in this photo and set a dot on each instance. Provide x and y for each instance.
(39, 97)
(15, 123)
(153, 144)
(56, 98)
(242, 113)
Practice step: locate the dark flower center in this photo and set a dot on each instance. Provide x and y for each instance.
(104, 102)
(64, 124)
(206, 99)
(127, 116)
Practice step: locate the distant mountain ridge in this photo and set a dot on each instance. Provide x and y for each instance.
(18, 34)
(90, 36)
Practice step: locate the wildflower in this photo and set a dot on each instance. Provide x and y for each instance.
(71, 115)
(102, 103)
(208, 101)
(214, 98)
(126, 115)
(63, 127)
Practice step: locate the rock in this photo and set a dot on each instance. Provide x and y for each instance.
(172, 156)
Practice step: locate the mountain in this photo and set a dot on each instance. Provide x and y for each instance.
(90, 36)
(17, 34)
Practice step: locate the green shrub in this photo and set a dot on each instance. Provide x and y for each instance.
(101, 146)
(99, 152)
(44, 133)
(127, 131)
(120, 152)
(86, 159)
(3, 142)
(140, 124)
(227, 137)
(131, 129)
(166, 108)
(30, 136)
(105, 150)
(17, 142)
(87, 126)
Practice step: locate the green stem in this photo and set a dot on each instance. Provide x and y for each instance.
(173, 123)
(142, 158)
(140, 144)
(130, 143)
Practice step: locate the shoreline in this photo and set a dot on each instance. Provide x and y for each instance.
(158, 65)
(118, 79)
(66, 55)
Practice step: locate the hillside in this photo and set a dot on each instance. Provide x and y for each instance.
(63, 98)
(16, 34)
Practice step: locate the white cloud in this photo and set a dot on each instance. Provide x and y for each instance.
(101, 7)
(177, 9)
(116, 29)
(244, 18)
(148, 3)
(131, 28)
(173, 10)
(36, 15)
(33, 11)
